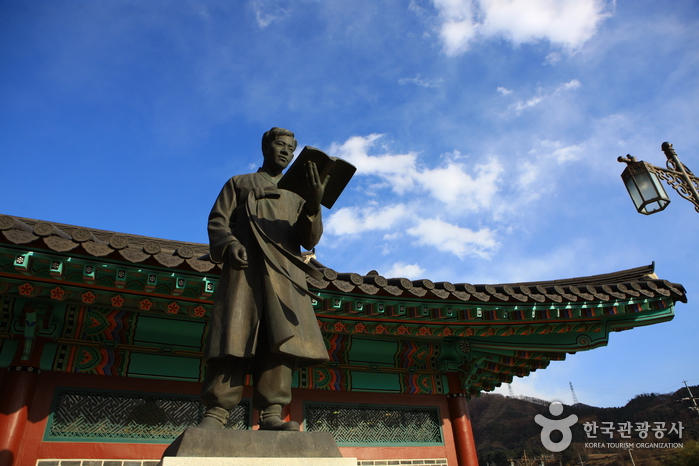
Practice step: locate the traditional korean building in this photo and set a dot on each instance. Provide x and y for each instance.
(102, 333)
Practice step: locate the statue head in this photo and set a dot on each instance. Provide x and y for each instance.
(278, 145)
(271, 135)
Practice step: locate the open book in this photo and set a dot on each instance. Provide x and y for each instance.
(340, 172)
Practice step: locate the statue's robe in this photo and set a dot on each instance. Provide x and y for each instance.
(271, 294)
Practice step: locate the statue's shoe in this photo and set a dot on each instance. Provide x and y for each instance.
(275, 423)
(210, 423)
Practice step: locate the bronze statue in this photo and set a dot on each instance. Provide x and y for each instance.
(262, 321)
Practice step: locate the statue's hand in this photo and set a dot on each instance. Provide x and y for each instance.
(317, 188)
(237, 256)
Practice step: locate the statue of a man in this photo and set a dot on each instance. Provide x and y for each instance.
(262, 321)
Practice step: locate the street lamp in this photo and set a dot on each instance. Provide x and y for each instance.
(642, 181)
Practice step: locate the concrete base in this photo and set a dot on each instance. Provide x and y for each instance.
(220, 446)
(189, 461)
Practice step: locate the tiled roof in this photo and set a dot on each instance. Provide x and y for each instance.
(625, 284)
(486, 334)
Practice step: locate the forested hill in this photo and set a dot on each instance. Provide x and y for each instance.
(504, 428)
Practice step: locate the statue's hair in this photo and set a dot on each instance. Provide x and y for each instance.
(271, 135)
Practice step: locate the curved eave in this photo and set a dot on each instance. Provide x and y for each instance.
(486, 333)
(194, 258)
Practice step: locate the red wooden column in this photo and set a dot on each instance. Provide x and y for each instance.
(16, 394)
(463, 432)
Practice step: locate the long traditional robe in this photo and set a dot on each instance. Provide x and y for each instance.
(271, 293)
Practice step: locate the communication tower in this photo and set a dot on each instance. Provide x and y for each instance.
(575, 398)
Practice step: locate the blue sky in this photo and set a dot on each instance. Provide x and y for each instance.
(485, 133)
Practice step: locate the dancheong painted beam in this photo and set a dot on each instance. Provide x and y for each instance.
(107, 303)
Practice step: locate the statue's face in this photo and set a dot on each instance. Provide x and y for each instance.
(279, 153)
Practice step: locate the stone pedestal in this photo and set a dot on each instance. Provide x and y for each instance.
(224, 447)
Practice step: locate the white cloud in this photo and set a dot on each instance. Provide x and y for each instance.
(454, 186)
(572, 84)
(455, 239)
(542, 95)
(450, 183)
(528, 175)
(547, 150)
(353, 220)
(553, 58)
(419, 81)
(534, 386)
(546, 155)
(401, 269)
(391, 236)
(565, 23)
(266, 11)
(504, 91)
(568, 153)
(525, 104)
(397, 169)
(458, 27)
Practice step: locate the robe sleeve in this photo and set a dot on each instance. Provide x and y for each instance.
(220, 222)
(309, 228)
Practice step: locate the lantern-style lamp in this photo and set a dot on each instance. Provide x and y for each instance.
(644, 187)
(642, 181)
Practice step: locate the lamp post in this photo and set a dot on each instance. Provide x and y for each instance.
(642, 181)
